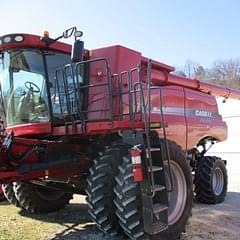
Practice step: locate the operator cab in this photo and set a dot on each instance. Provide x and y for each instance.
(28, 66)
(24, 85)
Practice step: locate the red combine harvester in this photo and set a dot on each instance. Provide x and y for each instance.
(113, 124)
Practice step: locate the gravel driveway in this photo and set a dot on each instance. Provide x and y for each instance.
(215, 222)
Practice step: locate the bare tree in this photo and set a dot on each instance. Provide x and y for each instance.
(190, 68)
(225, 72)
(201, 73)
(180, 73)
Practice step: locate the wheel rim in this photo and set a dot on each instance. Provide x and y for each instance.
(177, 198)
(217, 181)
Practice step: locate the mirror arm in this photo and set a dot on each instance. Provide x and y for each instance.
(65, 34)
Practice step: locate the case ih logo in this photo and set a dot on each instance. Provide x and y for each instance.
(187, 112)
(202, 113)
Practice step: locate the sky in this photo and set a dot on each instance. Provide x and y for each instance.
(168, 31)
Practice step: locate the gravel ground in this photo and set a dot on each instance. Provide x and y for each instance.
(213, 222)
(221, 221)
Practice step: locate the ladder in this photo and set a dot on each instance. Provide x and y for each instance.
(154, 188)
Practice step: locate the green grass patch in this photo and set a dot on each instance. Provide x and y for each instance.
(16, 224)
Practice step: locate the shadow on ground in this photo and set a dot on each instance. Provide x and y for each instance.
(77, 224)
(73, 213)
(75, 221)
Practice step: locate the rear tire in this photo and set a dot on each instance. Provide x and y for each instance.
(99, 191)
(2, 197)
(129, 205)
(38, 199)
(211, 180)
(10, 194)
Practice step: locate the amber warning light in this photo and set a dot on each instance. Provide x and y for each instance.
(46, 34)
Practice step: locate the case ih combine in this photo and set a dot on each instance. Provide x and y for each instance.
(113, 124)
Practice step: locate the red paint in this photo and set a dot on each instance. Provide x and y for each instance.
(189, 108)
(33, 41)
(136, 155)
(163, 78)
(31, 129)
(138, 173)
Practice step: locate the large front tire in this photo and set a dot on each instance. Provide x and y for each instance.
(99, 191)
(211, 180)
(37, 199)
(129, 205)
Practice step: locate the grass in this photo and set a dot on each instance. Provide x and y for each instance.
(74, 221)
(16, 226)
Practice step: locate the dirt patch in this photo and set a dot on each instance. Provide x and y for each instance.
(211, 222)
(218, 222)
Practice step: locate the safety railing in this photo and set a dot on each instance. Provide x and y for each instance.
(88, 91)
(71, 91)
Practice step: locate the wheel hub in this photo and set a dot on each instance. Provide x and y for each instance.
(177, 197)
(217, 181)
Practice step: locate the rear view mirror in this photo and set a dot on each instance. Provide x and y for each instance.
(78, 34)
(69, 32)
(77, 51)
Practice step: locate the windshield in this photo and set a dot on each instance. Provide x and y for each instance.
(24, 84)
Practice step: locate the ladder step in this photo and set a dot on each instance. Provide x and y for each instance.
(159, 227)
(155, 149)
(155, 169)
(157, 208)
(158, 188)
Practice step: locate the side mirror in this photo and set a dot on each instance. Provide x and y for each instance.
(69, 32)
(72, 31)
(78, 34)
(77, 51)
